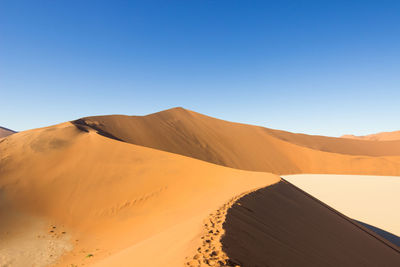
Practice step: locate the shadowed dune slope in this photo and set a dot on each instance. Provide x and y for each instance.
(112, 196)
(249, 147)
(384, 136)
(5, 132)
(369, 199)
(394, 239)
(282, 226)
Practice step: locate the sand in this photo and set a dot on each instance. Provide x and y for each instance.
(5, 132)
(282, 226)
(384, 136)
(373, 200)
(249, 147)
(119, 203)
(210, 251)
(30, 241)
(138, 191)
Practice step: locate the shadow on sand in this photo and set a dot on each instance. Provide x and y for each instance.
(281, 225)
(388, 236)
(82, 126)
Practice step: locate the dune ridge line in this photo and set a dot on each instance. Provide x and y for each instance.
(210, 252)
(364, 229)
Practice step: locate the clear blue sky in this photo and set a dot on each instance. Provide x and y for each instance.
(319, 67)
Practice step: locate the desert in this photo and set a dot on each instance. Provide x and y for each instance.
(101, 192)
(199, 133)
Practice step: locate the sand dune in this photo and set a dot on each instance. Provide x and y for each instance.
(384, 136)
(115, 200)
(5, 132)
(249, 147)
(106, 191)
(373, 200)
(281, 226)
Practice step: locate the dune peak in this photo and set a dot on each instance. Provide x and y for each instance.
(248, 147)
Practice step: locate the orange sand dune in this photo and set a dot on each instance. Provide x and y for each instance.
(101, 201)
(249, 147)
(101, 192)
(280, 225)
(5, 132)
(384, 136)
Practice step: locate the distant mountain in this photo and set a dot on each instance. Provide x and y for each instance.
(5, 132)
(384, 136)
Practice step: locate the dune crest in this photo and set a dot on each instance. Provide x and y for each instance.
(281, 225)
(383, 136)
(122, 198)
(116, 200)
(210, 251)
(249, 147)
(369, 199)
(5, 132)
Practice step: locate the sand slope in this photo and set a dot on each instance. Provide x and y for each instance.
(115, 200)
(370, 199)
(100, 191)
(281, 226)
(249, 147)
(5, 132)
(384, 136)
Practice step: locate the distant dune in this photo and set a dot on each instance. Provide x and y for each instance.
(249, 147)
(384, 136)
(5, 132)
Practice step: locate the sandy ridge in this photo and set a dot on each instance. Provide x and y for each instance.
(121, 201)
(4, 132)
(198, 136)
(279, 225)
(128, 201)
(374, 205)
(383, 136)
(362, 228)
(210, 252)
